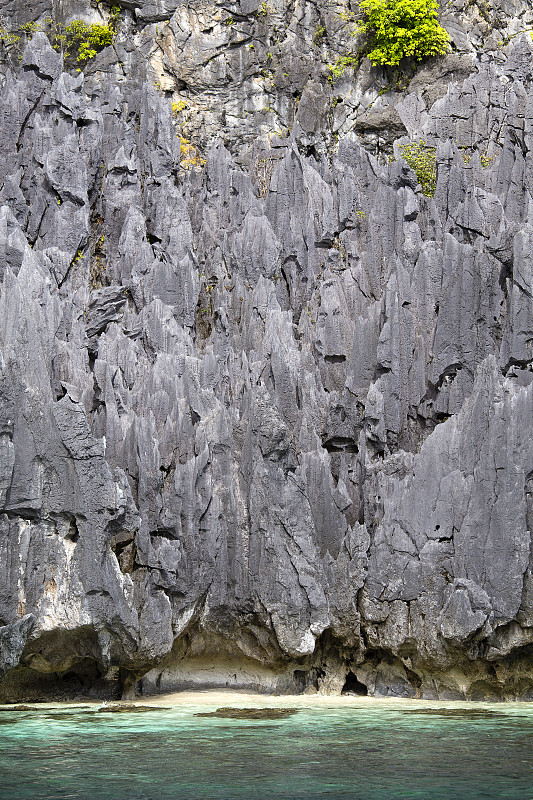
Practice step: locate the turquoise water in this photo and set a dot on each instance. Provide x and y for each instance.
(363, 753)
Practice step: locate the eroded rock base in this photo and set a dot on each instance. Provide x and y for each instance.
(380, 675)
(82, 680)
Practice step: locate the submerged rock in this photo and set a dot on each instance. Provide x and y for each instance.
(463, 713)
(50, 713)
(127, 708)
(249, 713)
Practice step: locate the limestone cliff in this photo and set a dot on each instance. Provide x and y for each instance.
(266, 409)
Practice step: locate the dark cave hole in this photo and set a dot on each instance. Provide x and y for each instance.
(310, 152)
(414, 679)
(340, 444)
(60, 391)
(123, 546)
(84, 679)
(73, 533)
(164, 533)
(335, 359)
(304, 679)
(353, 686)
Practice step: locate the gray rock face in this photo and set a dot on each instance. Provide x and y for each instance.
(264, 421)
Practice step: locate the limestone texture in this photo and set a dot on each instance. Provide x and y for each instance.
(266, 409)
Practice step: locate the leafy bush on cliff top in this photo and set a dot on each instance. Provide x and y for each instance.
(398, 29)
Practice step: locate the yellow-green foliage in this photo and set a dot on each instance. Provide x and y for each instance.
(189, 155)
(8, 38)
(85, 41)
(398, 29)
(423, 160)
(29, 28)
(179, 106)
(484, 159)
(320, 32)
(342, 64)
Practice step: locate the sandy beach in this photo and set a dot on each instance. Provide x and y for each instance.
(240, 699)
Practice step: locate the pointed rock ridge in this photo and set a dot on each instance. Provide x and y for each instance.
(12, 641)
(40, 56)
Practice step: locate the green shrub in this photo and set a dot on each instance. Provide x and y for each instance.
(398, 29)
(87, 40)
(84, 41)
(423, 160)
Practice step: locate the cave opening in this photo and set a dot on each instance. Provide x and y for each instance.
(353, 686)
(306, 678)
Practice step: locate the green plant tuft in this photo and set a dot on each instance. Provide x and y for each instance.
(264, 10)
(423, 160)
(179, 106)
(87, 40)
(84, 41)
(7, 38)
(320, 33)
(397, 29)
(342, 64)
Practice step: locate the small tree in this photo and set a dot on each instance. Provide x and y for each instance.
(399, 29)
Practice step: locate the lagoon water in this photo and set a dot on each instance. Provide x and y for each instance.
(341, 750)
